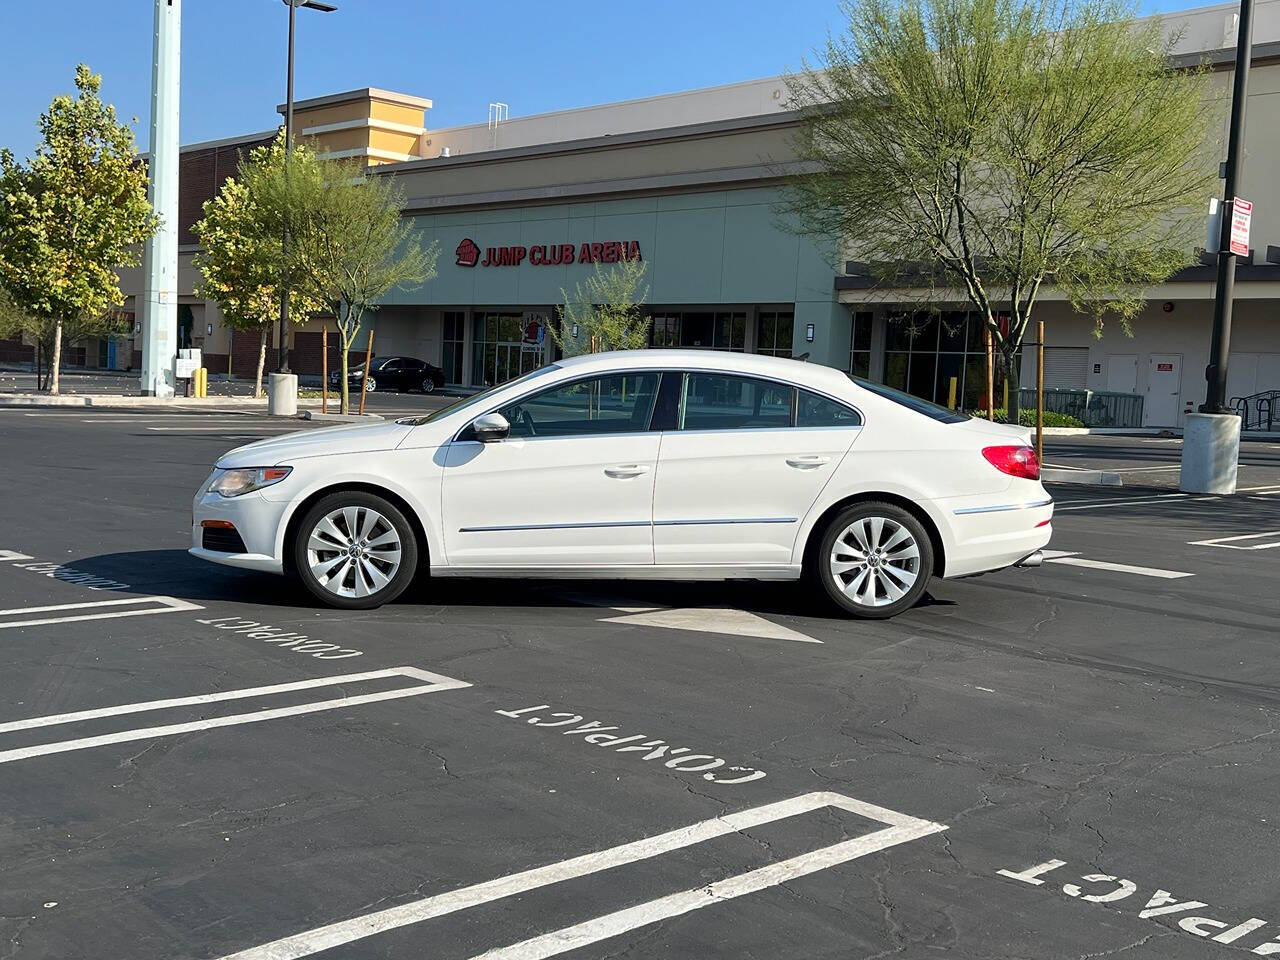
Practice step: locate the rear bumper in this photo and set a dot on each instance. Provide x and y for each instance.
(997, 535)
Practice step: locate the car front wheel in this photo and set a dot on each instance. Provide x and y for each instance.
(370, 385)
(874, 560)
(355, 551)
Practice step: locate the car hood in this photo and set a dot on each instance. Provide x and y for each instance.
(357, 438)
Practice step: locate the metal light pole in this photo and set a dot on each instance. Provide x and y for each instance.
(160, 254)
(1211, 441)
(1219, 350)
(282, 357)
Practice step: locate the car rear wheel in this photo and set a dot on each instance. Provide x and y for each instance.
(874, 560)
(370, 385)
(428, 385)
(355, 551)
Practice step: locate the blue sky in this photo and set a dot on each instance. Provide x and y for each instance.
(536, 55)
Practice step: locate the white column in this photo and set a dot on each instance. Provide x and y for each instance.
(160, 259)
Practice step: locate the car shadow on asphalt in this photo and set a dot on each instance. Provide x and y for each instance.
(175, 573)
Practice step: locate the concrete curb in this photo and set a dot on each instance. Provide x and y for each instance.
(340, 417)
(1096, 478)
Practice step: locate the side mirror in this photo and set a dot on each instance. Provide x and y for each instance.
(491, 427)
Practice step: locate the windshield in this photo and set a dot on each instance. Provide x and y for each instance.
(932, 410)
(477, 399)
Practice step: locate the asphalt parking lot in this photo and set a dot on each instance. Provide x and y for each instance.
(1154, 461)
(1072, 761)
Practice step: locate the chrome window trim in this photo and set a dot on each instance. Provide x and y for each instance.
(684, 371)
(1000, 508)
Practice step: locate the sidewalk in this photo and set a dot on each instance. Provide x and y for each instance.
(242, 404)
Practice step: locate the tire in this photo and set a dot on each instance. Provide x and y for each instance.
(370, 385)
(428, 385)
(386, 557)
(893, 580)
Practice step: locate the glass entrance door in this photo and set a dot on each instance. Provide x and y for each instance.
(500, 354)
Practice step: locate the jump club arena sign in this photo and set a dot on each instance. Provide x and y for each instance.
(546, 254)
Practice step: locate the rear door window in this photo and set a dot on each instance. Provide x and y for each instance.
(815, 410)
(715, 401)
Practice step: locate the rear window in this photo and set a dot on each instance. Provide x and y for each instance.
(929, 409)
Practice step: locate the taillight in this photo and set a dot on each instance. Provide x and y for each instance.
(1017, 461)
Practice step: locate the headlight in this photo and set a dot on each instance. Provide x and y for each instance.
(233, 483)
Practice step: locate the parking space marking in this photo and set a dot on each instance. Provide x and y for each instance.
(14, 555)
(1073, 559)
(1102, 504)
(435, 683)
(163, 605)
(1232, 543)
(899, 828)
(738, 623)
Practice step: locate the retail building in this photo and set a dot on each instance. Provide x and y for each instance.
(522, 209)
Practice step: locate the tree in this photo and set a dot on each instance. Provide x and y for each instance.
(242, 260)
(607, 310)
(20, 324)
(348, 243)
(1002, 147)
(71, 216)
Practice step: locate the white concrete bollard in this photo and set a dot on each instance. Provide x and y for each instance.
(282, 395)
(1210, 453)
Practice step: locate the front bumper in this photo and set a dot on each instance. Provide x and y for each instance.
(256, 519)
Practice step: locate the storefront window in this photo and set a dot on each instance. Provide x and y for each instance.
(774, 331)
(453, 334)
(860, 345)
(700, 330)
(938, 356)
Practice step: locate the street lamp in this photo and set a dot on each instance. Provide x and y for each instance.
(1211, 438)
(282, 358)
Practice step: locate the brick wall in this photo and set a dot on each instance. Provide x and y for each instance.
(200, 177)
(305, 356)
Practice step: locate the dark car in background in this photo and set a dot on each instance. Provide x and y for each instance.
(393, 373)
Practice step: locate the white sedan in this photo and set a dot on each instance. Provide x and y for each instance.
(656, 464)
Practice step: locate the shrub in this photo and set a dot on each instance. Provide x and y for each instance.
(1027, 418)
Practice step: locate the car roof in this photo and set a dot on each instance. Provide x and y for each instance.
(747, 364)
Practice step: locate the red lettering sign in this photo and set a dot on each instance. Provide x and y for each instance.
(547, 254)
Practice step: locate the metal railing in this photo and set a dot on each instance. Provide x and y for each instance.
(1094, 408)
(1258, 411)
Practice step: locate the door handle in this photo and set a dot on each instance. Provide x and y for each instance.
(810, 462)
(626, 471)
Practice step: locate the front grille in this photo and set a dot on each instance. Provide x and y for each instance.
(222, 540)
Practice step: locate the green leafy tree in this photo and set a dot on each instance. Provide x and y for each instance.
(1001, 147)
(608, 310)
(71, 216)
(349, 246)
(241, 262)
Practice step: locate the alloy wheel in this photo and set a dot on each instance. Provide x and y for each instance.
(354, 551)
(875, 561)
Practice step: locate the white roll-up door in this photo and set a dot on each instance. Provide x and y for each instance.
(1066, 368)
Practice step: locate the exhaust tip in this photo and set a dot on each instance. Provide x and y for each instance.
(1031, 560)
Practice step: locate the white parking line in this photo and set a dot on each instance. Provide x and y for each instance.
(1101, 504)
(435, 683)
(1072, 559)
(899, 828)
(14, 555)
(1232, 543)
(165, 605)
